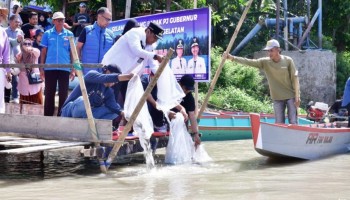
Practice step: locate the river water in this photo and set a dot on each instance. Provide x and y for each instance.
(236, 172)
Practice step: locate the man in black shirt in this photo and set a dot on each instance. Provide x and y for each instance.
(81, 20)
(30, 28)
(187, 85)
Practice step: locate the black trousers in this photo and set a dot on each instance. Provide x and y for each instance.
(52, 77)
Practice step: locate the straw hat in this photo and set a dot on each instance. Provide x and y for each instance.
(4, 11)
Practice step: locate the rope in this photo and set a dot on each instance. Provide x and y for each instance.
(77, 65)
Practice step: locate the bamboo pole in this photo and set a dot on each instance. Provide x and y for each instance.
(90, 117)
(297, 91)
(223, 59)
(139, 106)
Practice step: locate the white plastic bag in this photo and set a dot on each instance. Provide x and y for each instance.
(180, 147)
(170, 92)
(143, 125)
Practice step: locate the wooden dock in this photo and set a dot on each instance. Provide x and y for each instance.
(23, 134)
(19, 145)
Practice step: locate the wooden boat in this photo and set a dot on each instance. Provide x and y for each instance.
(231, 125)
(299, 141)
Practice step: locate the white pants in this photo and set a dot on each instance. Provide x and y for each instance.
(2, 89)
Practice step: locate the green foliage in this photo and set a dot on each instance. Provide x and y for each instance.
(335, 22)
(237, 75)
(343, 71)
(232, 98)
(238, 87)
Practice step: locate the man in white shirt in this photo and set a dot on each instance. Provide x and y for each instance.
(196, 65)
(129, 51)
(179, 64)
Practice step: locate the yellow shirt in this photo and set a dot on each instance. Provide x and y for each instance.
(280, 75)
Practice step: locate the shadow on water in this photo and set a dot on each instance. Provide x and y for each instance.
(30, 167)
(261, 163)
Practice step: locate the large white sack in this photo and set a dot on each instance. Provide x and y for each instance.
(143, 125)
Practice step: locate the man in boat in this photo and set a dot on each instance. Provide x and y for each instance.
(95, 40)
(282, 78)
(101, 95)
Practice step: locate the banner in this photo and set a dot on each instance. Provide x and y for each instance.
(188, 33)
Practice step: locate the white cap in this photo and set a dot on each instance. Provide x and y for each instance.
(58, 15)
(271, 44)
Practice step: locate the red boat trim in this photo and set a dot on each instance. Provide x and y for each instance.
(255, 121)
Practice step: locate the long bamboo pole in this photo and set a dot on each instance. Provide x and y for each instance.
(90, 117)
(228, 49)
(139, 106)
(297, 91)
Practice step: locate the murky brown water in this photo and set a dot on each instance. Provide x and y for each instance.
(237, 172)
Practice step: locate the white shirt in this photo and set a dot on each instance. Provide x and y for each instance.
(196, 67)
(127, 52)
(179, 65)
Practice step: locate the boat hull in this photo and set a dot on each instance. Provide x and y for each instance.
(304, 142)
(231, 126)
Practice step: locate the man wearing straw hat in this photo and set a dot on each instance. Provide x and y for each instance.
(282, 78)
(4, 58)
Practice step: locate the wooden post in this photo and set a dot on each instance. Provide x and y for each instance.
(109, 6)
(297, 89)
(228, 49)
(196, 91)
(127, 9)
(90, 117)
(139, 106)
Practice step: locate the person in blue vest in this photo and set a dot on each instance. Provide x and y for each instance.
(346, 99)
(101, 95)
(95, 40)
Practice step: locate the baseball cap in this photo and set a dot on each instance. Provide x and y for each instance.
(194, 42)
(180, 43)
(82, 4)
(271, 44)
(58, 15)
(156, 29)
(112, 68)
(187, 81)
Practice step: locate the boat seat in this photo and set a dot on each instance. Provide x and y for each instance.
(341, 124)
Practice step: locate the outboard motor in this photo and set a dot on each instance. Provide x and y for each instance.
(316, 112)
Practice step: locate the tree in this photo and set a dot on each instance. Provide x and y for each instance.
(336, 22)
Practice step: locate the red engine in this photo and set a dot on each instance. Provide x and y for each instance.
(315, 113)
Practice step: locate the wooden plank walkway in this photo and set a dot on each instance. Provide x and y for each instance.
(18, 145)
(59, 128)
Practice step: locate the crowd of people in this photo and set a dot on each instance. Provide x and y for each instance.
(45, 40)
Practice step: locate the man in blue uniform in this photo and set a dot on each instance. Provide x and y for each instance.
(101, 95)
